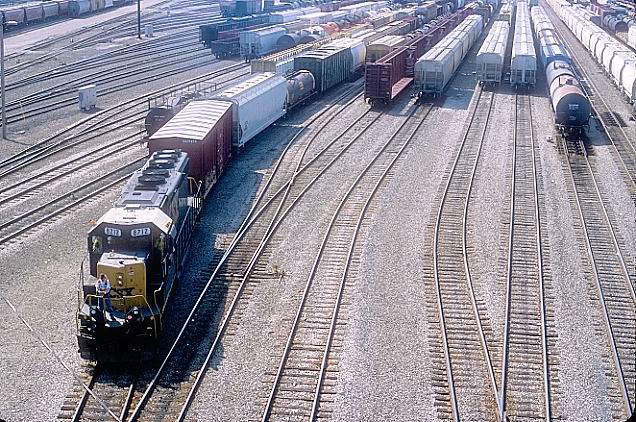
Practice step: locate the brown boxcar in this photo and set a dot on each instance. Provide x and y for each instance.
(390, 75)
(203, 129)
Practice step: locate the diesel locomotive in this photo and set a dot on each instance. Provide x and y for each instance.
(139, 244)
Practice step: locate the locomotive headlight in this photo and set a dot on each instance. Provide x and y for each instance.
(120, 279)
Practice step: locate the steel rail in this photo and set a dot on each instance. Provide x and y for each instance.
(332, 327)
(61, 210)
(59, 198)
(132, 102)
(82, 164)
(597, 281)
(308, 284)
(240, 234)
(510, 264)
(445, 340)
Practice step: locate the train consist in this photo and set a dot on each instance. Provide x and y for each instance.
(438, 65)
(571, 106)
(259, 35)
(390, 75)
(30, 13)
(140, 243)
(523, 63)
(616, 59)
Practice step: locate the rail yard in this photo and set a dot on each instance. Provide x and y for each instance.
(416, 213)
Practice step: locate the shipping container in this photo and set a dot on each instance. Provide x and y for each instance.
(203, 129)
(329, 65)
(280, 67)
(257, 103)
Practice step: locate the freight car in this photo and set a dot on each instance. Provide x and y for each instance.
(437, 66)
(141, 242)
(570, 104)
(613, 56)
(491, 55)
(392, 74)
(523, 63)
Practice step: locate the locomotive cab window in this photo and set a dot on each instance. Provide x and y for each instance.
(96, 242)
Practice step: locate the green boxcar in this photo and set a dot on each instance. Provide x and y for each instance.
(330, 65)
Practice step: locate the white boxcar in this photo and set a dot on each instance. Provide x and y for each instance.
(280, 67)
(315, 18)
(523, 64)
(490, 57)
(436, 67)
(257, 103)
(259, 42)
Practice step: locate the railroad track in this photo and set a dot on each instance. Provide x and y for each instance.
(525, 385)
(308, 358)
(465, 382)
(243, 249)
(230, 287)
(612, 282)
(624, 144)
(107, 397)
(105, 121)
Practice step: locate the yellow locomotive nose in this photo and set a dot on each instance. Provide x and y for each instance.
(127, 275)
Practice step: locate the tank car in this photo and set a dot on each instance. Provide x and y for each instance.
(138, 244)
(571, 106)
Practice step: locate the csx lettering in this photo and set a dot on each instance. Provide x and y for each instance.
(122, 292)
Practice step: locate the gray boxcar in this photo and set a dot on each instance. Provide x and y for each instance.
(329, 65)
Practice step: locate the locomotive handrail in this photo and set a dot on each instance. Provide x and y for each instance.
(89, 299)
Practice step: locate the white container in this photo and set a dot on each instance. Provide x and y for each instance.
(87, 96)
(108, 3)
(149, 30)
(257, 103)
(285, 16)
